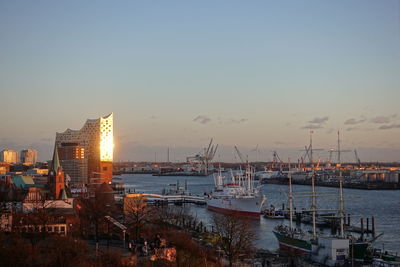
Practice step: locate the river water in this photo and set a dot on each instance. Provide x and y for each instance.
(383, 205)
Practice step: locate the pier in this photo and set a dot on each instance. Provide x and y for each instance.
(170, 199)
(369, 229)
(329, 220)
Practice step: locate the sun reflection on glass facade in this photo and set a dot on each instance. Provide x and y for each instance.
(95, 162)
(106, 138)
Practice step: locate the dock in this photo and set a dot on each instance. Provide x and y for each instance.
(330, 220)
(369, 229)
(170, 199)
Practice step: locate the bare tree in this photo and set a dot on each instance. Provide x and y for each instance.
(53, 251)
(10, 203)
(15, 251)
(92, 211)
(42, 214)
(38, 213)
(137, 213)
(4, 210)
(175, 217)
(61, 251)
(235, 236)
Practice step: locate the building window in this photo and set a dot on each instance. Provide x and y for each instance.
(62, 229)
(56, 229)
(104, 168)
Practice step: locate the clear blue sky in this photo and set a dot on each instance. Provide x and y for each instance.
(176, 73)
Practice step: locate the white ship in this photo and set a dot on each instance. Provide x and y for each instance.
(237, 194)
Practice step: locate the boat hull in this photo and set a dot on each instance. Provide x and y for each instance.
(292, 245)
(358, 250)
(240, 206)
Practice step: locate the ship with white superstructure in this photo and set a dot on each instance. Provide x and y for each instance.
(238, 194)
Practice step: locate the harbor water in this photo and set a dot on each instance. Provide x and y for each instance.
(384, 205)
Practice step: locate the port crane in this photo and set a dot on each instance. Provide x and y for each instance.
(276, 161)
(204, 158)
(257, 152)
(240, 155)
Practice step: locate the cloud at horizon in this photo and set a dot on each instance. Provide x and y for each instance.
(320, 120)
(381, 119)
(316, 123)
(391, 126)
(202, 119)
(353, 121)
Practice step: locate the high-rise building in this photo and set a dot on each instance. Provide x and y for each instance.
(90, 149)
(9, 156)
(28, 156)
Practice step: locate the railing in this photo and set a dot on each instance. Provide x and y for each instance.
(169, 198)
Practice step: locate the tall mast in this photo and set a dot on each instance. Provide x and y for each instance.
(311, 150)
(290, 198)
(341, 199)
(313, 200)
(219, 177)
(338, 147)
(248, 178)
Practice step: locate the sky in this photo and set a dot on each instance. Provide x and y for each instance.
(178, 73)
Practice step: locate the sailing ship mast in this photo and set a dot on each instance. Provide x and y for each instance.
(290, 198)
(313, 195)
(341, 199)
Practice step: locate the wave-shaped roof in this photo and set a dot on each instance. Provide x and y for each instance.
(87, 121)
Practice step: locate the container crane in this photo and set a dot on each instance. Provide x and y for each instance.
(240, 155)
(206, 157)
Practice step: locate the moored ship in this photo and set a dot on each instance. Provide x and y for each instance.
(318, 246)
(292, 240)
(236, 195)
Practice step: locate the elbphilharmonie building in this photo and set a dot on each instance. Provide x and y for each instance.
(86, 155)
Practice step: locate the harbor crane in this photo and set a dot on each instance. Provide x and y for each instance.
(276, 161)
(240, 155)
(204, 158)
(257, 152)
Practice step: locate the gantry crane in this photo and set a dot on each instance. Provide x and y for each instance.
(204, 158)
